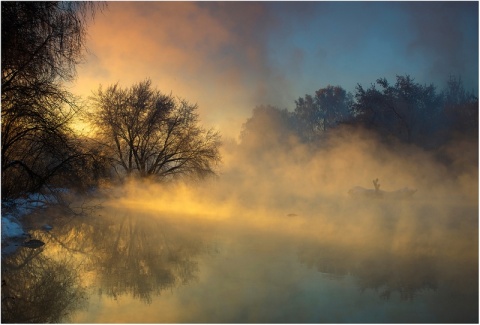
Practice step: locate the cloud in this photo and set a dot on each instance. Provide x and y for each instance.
(212, 54)
(232, 56)
(446, 35)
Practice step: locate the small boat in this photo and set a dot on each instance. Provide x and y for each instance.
(34, 243)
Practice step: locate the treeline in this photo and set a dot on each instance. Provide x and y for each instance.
(405, 111)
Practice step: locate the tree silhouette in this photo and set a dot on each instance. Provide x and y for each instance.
(41, 44)
(329, 107)
(461, 109)
(414, 113)
(152, 134)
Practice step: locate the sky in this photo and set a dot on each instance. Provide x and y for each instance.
(229, 57)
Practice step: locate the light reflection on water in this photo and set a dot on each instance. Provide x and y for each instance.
(367, 262)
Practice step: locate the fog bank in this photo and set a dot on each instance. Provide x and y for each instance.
(272, 174)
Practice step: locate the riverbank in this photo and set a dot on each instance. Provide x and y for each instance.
(15, 224)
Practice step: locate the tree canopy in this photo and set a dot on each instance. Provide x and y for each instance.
(41, 44)
(405, 111)
(329, 107)
(152, 134)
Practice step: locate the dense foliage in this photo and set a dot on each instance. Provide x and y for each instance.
(407, 111)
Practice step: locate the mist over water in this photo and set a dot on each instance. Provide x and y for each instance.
(276, 197)
(275, 237)
(273, 171)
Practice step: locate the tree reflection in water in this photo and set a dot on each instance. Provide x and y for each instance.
(398, 250)
(38, 289)
(384, 272)
(131, 254)
(140, 257)
(119, 255)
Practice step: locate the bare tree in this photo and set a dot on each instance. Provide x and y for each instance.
(152, 134)
(41, 44)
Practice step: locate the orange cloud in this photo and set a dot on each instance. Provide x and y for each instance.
(210, 54)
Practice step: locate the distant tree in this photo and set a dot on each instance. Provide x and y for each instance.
(407, 110)
(461, 108)
(268, 127)
(41, 44)
(329, 107)
(308, 116)
(334, 103)
(152, 134)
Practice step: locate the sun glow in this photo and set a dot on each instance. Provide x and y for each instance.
(173, 200)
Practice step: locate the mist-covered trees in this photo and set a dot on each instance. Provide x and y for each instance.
(267, 127)
(151, 134)
(460, 108)
(41, 44)
(415, 113)
(405, 111)
(316, 114)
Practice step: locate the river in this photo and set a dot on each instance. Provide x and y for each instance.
(330, 262)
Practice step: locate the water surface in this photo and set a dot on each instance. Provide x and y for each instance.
(337, 261)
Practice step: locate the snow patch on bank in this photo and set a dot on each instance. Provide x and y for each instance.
(11, 227)
(13, 232)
